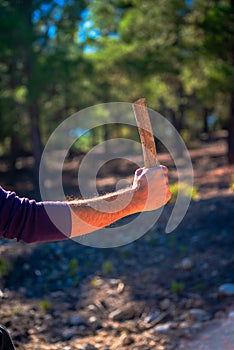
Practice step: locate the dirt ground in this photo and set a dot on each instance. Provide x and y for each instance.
(157, 293)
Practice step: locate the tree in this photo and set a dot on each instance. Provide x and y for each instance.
(38, 41)
(144, 46)
(178, 53)
(217, 23)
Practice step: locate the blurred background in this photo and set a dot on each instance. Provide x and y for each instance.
(58, 57)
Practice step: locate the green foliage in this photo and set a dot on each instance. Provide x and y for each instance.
(40, 63)
(15, 311)
(153, 241)
(108, 267)
(177, 287)
(4, 267)
(83, 144)
(172, 241)
(183, 250)
(186, 190)
(126, 253)
(95, 282)
(45, 305)
(189, 136)
(177, 54)
(73, 268)
(125, 331)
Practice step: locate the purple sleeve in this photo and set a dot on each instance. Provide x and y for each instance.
(28, 220)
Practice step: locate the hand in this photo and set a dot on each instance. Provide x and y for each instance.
(151, 187)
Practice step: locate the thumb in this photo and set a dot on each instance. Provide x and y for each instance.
(139, 171)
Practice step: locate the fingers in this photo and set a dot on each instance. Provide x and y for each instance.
(152, 185)
(164, 168)
(139, 171)
(164, 173)
(157, 174)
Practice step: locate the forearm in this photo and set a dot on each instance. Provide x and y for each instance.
(92, 214)
(30, 221)
(150, 191)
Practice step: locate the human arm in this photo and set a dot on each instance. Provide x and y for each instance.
(150, 190)
(31, 221)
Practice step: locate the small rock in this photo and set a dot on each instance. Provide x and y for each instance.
(126, 313)
(214, 273)
(205, 266)
(58, 294)
(127, 340)
(101, 305)
(114, 282)
(31, 331)
(196, 327)
(120, 287)
(111, 293)
(76, 320)
(226, 289)
(87, 346)
(26, 267)
(219, 314)
(23, 290)
(151, 317)
(164, 327)
(198, 315)
(91, 307)
(231, 315)
(68, 334)
(92, 319)
(90, 347)
(186, 264)
(1, 294)
(184, 325)
(165, 304)
(186, 333)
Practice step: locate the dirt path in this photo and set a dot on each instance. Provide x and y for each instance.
(215, 337)
(158, 293)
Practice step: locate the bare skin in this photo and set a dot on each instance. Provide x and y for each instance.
(150, 191)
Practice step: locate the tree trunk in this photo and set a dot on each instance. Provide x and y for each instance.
(231, 132)
(33, 96)
(231, 117)
(36, 140)
(106, 137)
(14, 145)
(180, 119)
(205, 120)
(14, 148)
(176, 121)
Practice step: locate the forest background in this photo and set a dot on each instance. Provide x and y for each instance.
(58, 57)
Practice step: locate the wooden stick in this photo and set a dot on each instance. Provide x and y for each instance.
(146, 133)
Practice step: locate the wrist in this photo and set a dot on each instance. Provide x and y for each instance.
(127, 202)
(138, 200)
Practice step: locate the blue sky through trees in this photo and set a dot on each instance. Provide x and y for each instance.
(85, 27)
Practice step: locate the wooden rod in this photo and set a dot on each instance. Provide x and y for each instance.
(146, 133)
